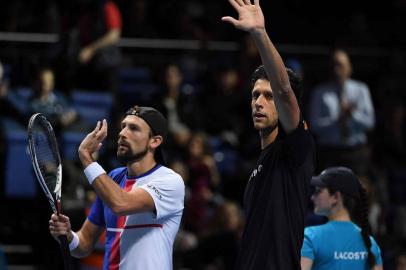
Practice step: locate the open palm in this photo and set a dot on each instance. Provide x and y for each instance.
(250, 16)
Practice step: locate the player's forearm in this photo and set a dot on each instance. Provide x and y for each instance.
(119, 201)
(83, 249)
(110, 193)
(285, 100)
(272, 62)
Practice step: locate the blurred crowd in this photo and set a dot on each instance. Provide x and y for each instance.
(355, 105)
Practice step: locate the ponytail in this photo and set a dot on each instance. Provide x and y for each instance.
(358, 210)
(363, 220)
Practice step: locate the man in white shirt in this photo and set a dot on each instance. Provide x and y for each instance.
(139, 205)
(341, 114)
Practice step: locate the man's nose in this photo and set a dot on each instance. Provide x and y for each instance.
(121, 133)
(258, 102)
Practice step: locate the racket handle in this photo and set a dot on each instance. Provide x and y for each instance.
(65, 252)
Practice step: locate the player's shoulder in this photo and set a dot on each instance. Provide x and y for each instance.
(117, 172)
(169, 175)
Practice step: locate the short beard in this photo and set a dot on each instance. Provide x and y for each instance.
(130, 157)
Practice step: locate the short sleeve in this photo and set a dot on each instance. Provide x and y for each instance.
(168, 194)
(112, 15)
(96, 215)
(377, 252)
(298, 144)
(308, 249)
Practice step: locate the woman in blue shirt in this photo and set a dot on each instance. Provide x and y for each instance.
(340, 243)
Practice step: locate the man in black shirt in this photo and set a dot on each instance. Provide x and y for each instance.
(277, 191)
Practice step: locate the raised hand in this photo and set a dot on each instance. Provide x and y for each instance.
(92, 142)
(250, 16)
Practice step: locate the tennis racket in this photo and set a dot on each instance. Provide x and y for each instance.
(48, 169)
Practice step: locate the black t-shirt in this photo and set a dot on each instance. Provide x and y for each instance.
(275, 203)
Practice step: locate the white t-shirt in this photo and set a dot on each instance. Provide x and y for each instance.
(145, 240)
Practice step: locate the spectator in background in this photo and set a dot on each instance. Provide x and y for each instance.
(7, 108)
(175, 105)
(52, 104)
(218, 246)
(204, 180)
(341, 114)
(224, 115)
(100, 30)
(89, 45)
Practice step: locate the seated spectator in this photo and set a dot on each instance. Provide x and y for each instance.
(174, 104)
(225, 108)
(203, 180)
(6, 107)
(178, 103)
(54, 105)
(218, 247)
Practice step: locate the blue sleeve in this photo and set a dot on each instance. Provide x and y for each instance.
(308, 247)
(377, 252)
(96, 215)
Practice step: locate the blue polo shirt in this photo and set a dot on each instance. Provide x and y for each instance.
(338, 245)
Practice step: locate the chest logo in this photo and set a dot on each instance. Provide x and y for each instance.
(157, 192)
(255, 172)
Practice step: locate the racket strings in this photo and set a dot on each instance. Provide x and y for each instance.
(47, 161)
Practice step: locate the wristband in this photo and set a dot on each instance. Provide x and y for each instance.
(93, 171)
(75, 242)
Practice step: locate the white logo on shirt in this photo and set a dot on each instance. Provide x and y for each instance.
(157, 192)
(349, 255)
(255, 172)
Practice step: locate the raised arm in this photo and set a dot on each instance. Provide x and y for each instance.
(251, 19)
(112, 36)
(119, 201)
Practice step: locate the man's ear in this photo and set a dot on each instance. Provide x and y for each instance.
(338, 196)
(156, 141)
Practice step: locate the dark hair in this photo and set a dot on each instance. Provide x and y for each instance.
(358, 210)
(295, 80)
